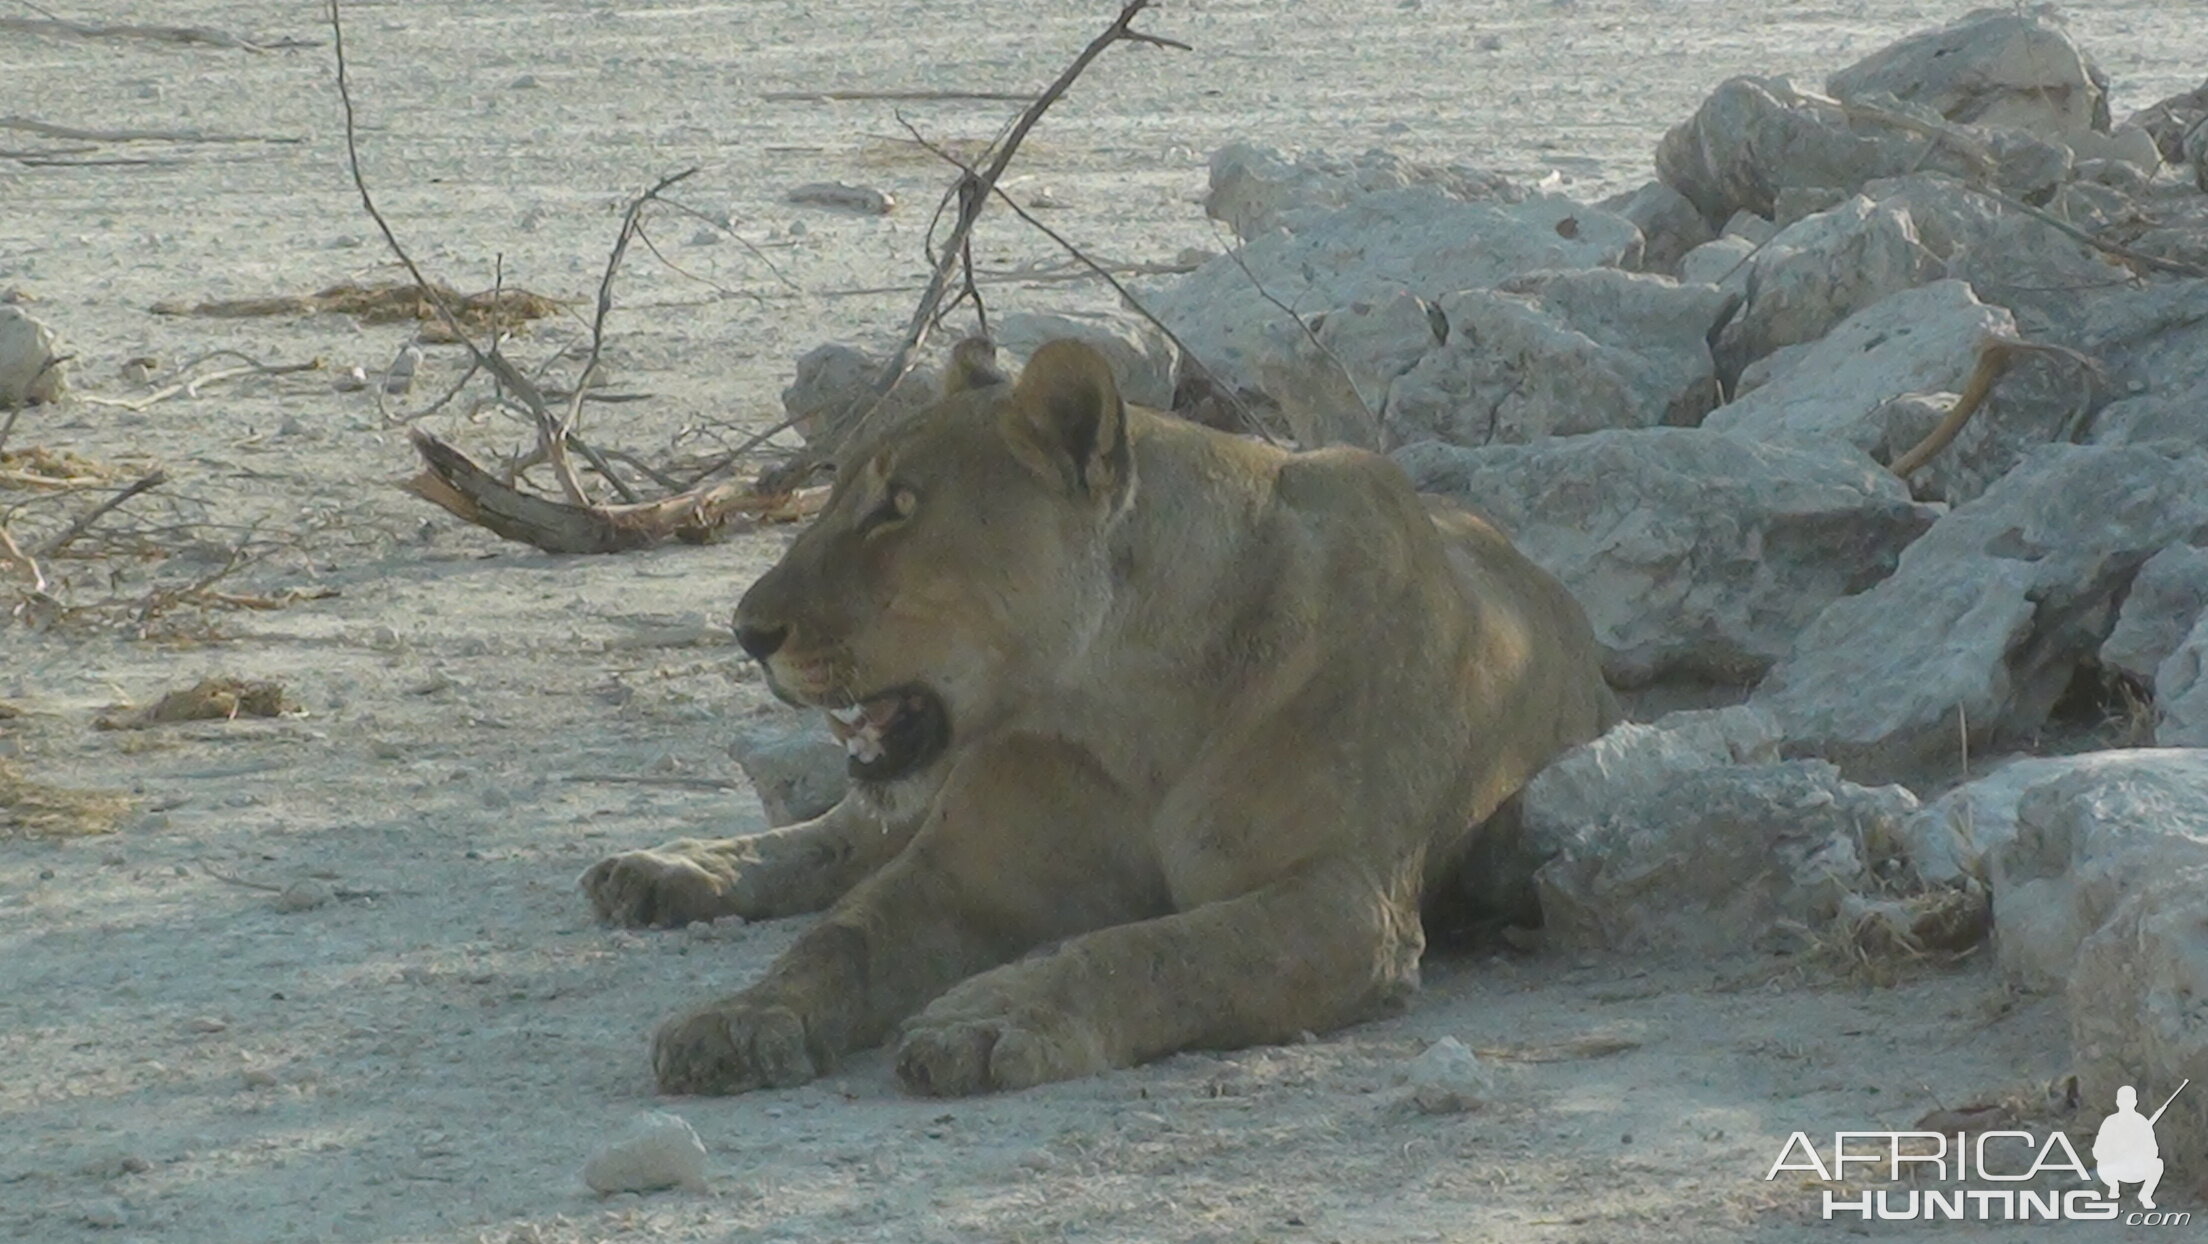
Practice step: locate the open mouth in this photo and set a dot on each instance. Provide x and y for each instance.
(889, 735)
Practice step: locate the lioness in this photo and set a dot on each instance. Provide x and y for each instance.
(1207, 715)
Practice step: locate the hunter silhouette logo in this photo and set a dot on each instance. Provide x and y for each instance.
(1996, 1175)
(2124, 1152)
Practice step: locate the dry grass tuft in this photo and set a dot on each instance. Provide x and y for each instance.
(31, 809)
(483, 312)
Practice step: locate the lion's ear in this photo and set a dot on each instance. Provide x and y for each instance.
(1066, 406)
(973, 366)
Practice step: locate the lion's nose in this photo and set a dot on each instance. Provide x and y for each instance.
(761, 641)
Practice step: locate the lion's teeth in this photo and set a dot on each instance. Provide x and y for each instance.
(848, 716)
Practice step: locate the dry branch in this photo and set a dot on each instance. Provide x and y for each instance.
(974, 190)
(151, 480)
(1247, 417)
(46, 129)
(191, 387)
(55, 27)
(918, 97)
(451, 480)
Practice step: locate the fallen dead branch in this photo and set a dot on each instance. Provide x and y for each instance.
(54, 27)
(452, 481)
(1993, 360)
(47, 129)
(487, 311)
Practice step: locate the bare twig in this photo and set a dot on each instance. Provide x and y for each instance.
(630, 223)
(925, 315)
(648, 779)
(1372, 416)
(153, 479)
(191, 387)
(1008, 97)
(55, 27)
(1243, 412)
(2120, 251)
(14, 555)
(7, 428)
(490, 360)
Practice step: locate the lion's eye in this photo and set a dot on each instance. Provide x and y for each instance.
(896, 506)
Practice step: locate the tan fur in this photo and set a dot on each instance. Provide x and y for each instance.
(1219, 716)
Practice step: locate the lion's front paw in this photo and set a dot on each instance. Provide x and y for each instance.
(666, 887)
(955, 1056)
(732, 1046)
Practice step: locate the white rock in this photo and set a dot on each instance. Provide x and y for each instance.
(2135, 1000)
(398, 378)
(1950, 838)
(29, 374)
(835, 385)
(1919, 341)
(799, 771)
(1693, 553)
(1559, 354)
(1579, 790)
(1989, 612)
(1257, 189)
(2008, 68)
(2085, 839)
(1719, 860)
(2178, 127)
(1722, 262)
(1417, 239)
(1632, 761)
(2165, 600)
(1142, 358)
(865, 200)
(1671, 226)
(1334, 391)
(1754, 139)
(2181, 691)
(1821, 270)
(305, 894)
(660, 1151)
(1448, 1078)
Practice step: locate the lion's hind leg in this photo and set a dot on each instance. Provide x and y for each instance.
(1323, 947)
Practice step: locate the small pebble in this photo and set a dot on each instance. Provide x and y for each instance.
(349, 379)
(660, 1151)
(849, 198)
(106, 1215)
(1447, 1079)
(305, 894)
(208, 1023)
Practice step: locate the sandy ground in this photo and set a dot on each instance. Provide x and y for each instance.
(431, 1055)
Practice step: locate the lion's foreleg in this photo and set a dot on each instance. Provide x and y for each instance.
(1013, 855)
(1324, 947)
(783, 872)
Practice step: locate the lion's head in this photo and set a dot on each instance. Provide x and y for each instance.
(962, 560)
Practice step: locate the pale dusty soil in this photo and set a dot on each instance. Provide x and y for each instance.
(433, 1061)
